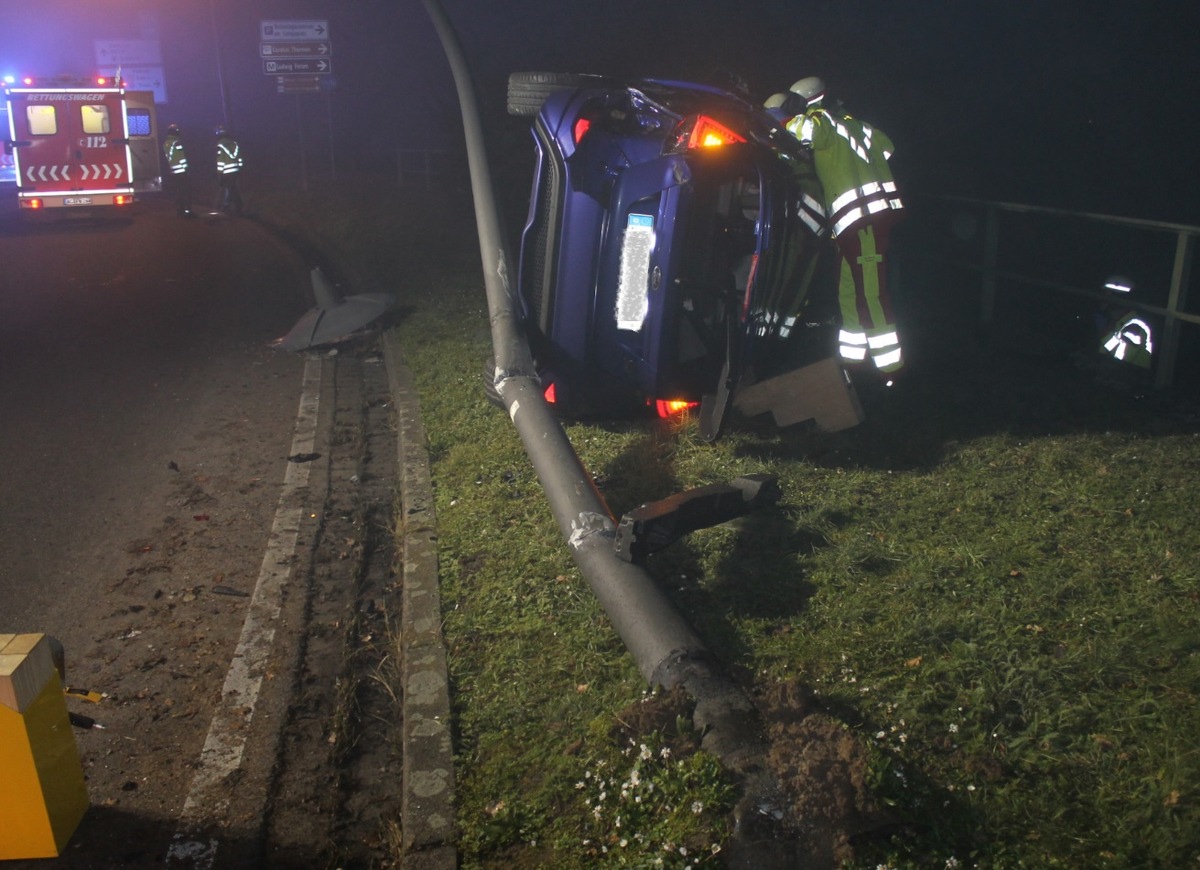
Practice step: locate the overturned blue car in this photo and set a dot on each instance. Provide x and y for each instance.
(673, 234)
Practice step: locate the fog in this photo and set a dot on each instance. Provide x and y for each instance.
(1082, 107)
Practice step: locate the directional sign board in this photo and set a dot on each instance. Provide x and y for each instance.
(295, 49)
(299, 85)
(141, 78)
(298, 66)
(297, 53)
(293, 30)
(126, 52)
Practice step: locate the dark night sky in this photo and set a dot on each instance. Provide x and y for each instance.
(1072, 104)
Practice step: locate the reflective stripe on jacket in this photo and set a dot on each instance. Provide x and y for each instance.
(176, 156)
(1132, 341)
(852, 162)
(229, 158)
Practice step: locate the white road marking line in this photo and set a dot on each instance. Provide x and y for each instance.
(222, 752)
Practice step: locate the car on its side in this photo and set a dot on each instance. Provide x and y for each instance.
(673, 233)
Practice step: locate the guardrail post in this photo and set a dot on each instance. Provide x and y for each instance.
(991, 242)
(1177, 299)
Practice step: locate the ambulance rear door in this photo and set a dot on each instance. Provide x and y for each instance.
(70, 147)
(144, 141)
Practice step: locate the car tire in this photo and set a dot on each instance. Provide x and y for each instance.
(528, 90)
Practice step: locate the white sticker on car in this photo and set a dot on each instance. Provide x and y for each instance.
(633, 287)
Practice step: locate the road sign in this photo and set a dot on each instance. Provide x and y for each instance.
(298, 84)
(295, 49)
(141, 78)
(283, 31)
(123, 52)
(298, 66)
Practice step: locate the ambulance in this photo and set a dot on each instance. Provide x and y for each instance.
(69, 143)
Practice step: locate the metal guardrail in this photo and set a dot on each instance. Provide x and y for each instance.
(1173, 313)
(427, 164)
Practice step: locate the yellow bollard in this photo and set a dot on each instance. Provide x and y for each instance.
(42, 793)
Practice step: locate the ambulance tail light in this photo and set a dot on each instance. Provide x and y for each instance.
(32, 202)
(123, 199)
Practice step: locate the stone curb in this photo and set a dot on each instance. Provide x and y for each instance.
(427, 813)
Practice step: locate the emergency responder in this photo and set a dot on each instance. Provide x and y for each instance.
(177, 164)
(861, 204)
(777, 107)
(1126, 335)
(229, 165)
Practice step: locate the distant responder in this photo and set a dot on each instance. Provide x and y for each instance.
(1127, 335)
(861, 204)
(177, 164)
(229, 166)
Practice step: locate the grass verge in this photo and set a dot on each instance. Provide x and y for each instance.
(993, 584)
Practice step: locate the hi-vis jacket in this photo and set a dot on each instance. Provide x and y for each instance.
(851, 159)
(1130, 341)
(176, 156)
(229, 157)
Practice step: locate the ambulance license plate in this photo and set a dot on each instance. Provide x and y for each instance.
(77, 200)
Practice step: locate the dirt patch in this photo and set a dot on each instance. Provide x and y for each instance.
(822, 767)
(819, 765)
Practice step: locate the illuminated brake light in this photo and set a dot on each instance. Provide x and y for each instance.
(551, 394)
(667, 408)
(581, 127)
(707, 133)
(31, 203)
(123, 199)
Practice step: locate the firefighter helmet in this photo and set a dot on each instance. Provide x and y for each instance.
(775, 101)
(172, 129)
(812, 88)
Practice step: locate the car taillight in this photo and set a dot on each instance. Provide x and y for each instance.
(581, 126)
(551, 394)
(31, 203)
(123, 199)
(672, 407)
(709, 133)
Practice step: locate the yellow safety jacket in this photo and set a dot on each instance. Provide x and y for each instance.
(229, 156)
(851, 159)
(176, 156)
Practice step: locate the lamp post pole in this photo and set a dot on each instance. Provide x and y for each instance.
(212, 9)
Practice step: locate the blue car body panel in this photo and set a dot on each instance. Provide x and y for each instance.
(711, 239)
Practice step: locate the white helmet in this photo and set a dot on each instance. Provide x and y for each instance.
(811, 88)
(775, 101)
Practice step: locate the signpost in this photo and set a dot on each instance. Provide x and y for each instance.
(140, 63)
(296, 49)
(291, 30)
(298, 66)
(297, 52)
(298, 85)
